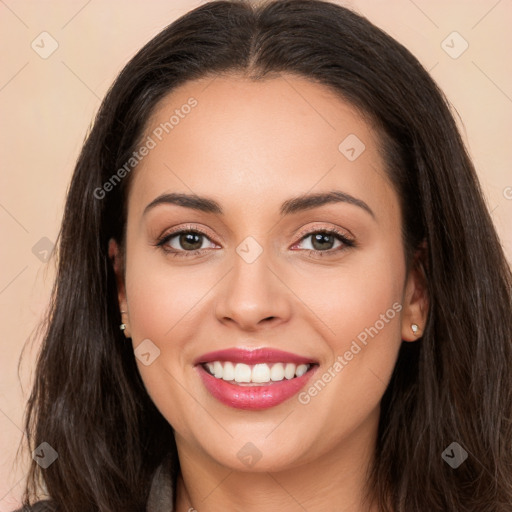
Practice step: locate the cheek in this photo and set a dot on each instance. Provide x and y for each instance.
(361, 308)
(366, 300)
(364, 291)
(163, 298)
(166, 301)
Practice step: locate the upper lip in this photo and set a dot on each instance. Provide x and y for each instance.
(253, 356)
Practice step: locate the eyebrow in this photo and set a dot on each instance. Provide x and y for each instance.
(289, 207)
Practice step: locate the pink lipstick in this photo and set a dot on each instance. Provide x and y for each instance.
(254, 379)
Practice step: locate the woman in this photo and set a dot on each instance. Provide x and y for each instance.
(243, 156)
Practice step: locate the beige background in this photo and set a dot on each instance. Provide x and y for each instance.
(47, 105)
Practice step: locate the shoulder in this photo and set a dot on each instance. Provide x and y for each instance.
(40, 506)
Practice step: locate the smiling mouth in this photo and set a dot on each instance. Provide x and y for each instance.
(254, 379)
(256, 374)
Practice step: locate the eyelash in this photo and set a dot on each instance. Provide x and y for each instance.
(347, 242)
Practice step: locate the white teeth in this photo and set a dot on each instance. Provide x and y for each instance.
(277, 371)
(217, 369)
(229, 371)
(289, 371)
(301, 370)
(242, 373)
(259, 373)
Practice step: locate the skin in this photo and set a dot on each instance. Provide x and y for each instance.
(251, 146)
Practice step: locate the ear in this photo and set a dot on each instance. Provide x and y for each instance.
(115, 256)
(416, 300)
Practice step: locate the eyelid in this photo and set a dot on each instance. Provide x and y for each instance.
(180, 229)
(315, 229)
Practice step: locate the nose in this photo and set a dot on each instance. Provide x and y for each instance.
(253, 296)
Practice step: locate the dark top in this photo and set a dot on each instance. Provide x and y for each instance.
(40, 506)
(160, 495)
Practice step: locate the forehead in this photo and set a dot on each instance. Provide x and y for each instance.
(242, 140)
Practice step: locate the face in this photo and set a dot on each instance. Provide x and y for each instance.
(296, 306)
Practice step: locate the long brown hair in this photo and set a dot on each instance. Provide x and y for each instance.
(454, 385)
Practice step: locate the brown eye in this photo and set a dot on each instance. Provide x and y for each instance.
(190, 240)
(324, 241)
(187, 242)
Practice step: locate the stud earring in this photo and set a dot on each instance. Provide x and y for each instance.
(122, 326)
(414, 328)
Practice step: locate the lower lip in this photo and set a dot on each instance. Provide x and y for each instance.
(255, 396)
